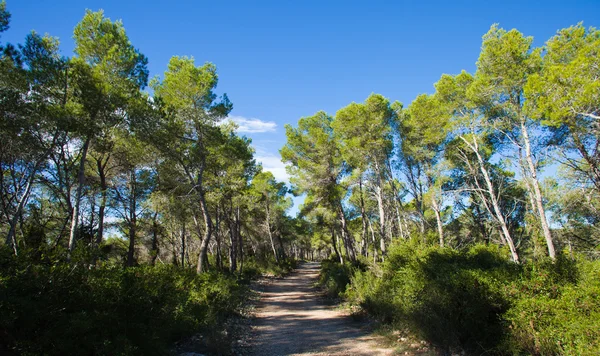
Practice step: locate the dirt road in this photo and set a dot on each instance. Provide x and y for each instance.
(292, 319)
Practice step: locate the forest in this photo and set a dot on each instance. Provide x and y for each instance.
(134, 215)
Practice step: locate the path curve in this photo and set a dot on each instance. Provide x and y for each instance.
(292, 319)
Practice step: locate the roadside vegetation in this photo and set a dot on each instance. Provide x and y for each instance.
(134, 215)
(477, 300)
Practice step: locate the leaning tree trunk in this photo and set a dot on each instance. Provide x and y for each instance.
(10, 237)
(537, 193)
(208, 227)
(203, 257)
(493, 199)
(499, 215)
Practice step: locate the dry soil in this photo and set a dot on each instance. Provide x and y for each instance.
(293, 319)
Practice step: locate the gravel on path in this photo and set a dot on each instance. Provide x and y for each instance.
(292, 319)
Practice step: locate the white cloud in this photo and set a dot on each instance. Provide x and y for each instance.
(274, 165)
(253, 125)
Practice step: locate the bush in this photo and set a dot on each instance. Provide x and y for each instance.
(447, 297)
(71, 310)
(556, 309)
(255, 267)
(335, 277)
(478, 301)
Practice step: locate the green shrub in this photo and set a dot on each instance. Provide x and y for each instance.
(451, 298)
(477, 300)
(255, 267)
(556, 309)
(71, 310)
(334, 277)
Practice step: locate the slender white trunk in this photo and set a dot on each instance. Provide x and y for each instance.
(10, 237)
(493, 199)
(269, 232)
(537, 192)
(438, 217)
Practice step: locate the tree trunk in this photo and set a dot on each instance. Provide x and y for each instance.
(363, 215)
(269, 232)
(499, 216)
(374, 242)
(154, 248)
(10, 237)
(379, 191)
(494, 200)
(218, 217)
(537, 192)
(203, 256)
(240, 239)
(438, 218)
(183, 244)
(130, 251)
(347, 238)
(334, 242)
(282, 254)
(132, 219)
(104, 193)
(80, 183)
(396, 200)
(232, 244)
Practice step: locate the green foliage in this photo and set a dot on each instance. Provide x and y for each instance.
(556, 309)
(335, 277)
(477, 300)
(255, 267)
(72, 310)
(4, 17)
(363, 130)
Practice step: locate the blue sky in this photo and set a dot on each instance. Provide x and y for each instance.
(281, 60)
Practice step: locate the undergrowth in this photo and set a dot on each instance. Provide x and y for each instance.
(57, 308)
(476, 300)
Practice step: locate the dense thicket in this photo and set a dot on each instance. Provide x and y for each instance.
(477, 300)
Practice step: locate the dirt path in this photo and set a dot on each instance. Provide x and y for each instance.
(292, 319)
